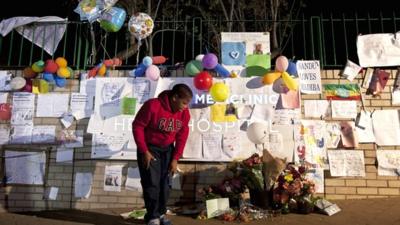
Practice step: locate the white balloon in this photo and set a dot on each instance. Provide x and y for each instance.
(17, 83)
(258, 133)
(199, 57)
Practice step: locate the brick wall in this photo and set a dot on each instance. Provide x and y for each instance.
(195, 176)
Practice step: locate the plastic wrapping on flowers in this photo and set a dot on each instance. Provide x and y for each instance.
(251, 171)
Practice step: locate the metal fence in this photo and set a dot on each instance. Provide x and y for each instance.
(330, 39)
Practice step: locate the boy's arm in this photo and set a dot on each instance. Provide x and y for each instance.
(141, 121)
(181, 136)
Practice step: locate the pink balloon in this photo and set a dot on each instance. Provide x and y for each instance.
(281, 63)
(153, 72)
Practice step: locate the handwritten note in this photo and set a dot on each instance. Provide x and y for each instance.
(346, 163)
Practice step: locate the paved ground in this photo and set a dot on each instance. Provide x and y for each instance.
(354, 212)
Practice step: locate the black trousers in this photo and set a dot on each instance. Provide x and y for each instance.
(155, 181)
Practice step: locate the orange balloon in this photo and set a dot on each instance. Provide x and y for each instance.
(269, 78)
(102, 71)
(159, 59)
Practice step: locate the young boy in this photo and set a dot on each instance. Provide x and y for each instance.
(159, 124)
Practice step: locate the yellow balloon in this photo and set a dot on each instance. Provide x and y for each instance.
(63, 72)
(219, 92)
(270, 78)
(289, 81)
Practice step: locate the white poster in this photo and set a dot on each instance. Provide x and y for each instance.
(346, 163)
(25, 167)
(21, 134)
(376, 50)
(3, 97)
(386, 120)
(351, 70)
(44, 134)
(83, 185)
(388, 162)
(81, 105)
(316, 108)
(52, 105)
(23, 108)
(113, 178)
(309, 72)
(133, 180)
(344, 109)
(4, 134)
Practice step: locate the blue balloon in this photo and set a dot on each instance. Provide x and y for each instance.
(147, 61)
(49, 77)
(292, 70)
(221, 70)
(140, 70)
(60, 82)
(112, 20)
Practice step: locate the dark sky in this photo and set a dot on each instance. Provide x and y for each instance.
(64, 8)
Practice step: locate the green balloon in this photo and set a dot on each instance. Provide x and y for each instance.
(193, 67)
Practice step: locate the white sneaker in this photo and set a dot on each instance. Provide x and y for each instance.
(154, 222)
(164, 220)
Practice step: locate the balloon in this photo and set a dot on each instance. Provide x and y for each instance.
(289, 81)
(63, 72)
(71, 72)
(28, 86)
(61, 62)
(222, 71)
(141, 25)
(38, 66)
(258, 133)
(88, 10)
(147, 61)
(50, 66)
(17, 83)
(102, 70)
(281, 63)
(29, 73)
(109, 3)
(5, 111)
(292, 69)
(203, 81)
(159, 59)
(60, 82)
(199, 57)
(219, 92)
(153, 72)
(112, 19)
(193, 67)
(269, 78)
(49, 77)
(209, 61)
(140, 70)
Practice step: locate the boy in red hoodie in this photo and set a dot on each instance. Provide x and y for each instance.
(160, 130)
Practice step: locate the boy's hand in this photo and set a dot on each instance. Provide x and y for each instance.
(173, 166)
(147, 159)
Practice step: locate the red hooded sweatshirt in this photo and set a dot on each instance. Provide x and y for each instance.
(156, 124)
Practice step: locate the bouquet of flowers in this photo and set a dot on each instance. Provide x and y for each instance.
(250, 171)
(293, 191)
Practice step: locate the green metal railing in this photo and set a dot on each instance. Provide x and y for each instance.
(330, 39)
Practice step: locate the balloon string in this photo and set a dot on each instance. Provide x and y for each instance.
(138, 50)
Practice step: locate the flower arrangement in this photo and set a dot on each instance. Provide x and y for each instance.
(293, 191)
(250, 171)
